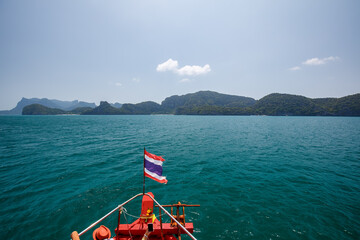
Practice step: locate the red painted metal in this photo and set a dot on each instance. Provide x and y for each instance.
(139, 226)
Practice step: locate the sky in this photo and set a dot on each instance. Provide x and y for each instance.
(135, 51)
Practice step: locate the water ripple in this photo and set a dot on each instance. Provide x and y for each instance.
(255, 177)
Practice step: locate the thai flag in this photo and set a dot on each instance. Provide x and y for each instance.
(153, 167)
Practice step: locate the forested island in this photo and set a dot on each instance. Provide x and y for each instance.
(213, 103)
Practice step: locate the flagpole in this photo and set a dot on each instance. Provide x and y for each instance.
(144, 173)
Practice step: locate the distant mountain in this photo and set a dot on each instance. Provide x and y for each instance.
(345, 106)
(78, 104)
(276, 104)
(213, 103)
(25, 102)
(79, 110)
(103, 109)
(293, 105)
(116, 105)
(38, 109)
(141, 108)
(63, 105)
(192, 101)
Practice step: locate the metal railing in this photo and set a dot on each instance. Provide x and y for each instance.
(126, 202)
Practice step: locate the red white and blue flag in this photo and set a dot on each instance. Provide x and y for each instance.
(153, 167)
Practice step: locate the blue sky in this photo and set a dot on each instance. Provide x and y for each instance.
(134, 51)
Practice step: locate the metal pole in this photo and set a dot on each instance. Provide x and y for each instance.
(120, 210)
(162, 234)
(144, 172)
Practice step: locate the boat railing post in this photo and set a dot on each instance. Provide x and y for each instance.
(120, 211)
(162, 234)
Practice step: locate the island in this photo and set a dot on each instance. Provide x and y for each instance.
(213, 103)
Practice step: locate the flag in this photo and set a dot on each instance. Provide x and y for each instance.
(153, 167)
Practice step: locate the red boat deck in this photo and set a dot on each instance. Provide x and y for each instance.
(138, 228)
(146, 227)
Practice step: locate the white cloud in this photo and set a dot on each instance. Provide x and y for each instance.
(169, 65)
(136, 79)
(296, 68)
(194, 70)
(118, 84)
(172, 65)
(320, 61)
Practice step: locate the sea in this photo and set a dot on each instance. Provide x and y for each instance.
(255, 177)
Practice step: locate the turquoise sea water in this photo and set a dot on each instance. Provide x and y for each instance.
(255, 177)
